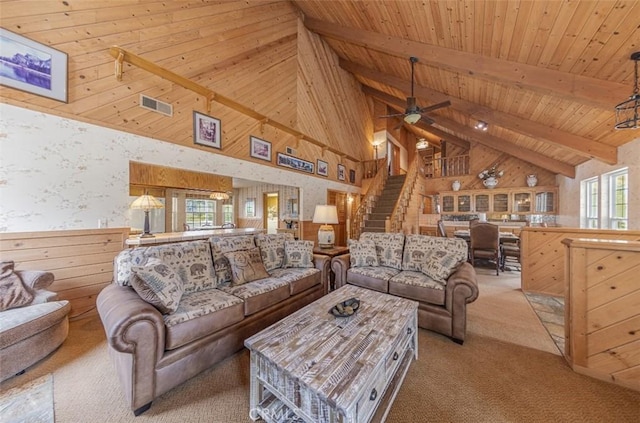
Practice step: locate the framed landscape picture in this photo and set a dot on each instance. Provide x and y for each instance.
(32, 67)
(260, 149)
(323, 168)
(295, 163)
(341, 172)
(206, 130)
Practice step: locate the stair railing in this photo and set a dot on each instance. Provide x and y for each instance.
(402, 204)
(368, 202)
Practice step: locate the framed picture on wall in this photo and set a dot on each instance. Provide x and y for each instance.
(260, 149)
(341, 172)
(32, 67)
(206, 130)
(323, 168)
(352, 176)
(294, 163)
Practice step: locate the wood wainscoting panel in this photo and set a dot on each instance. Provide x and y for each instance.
(81, 260)
(602, 309)
(543, 259)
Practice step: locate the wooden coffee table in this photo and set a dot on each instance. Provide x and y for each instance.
(314, 367)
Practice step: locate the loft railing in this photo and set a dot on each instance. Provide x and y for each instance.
(402, 204)
(446, 166)
(368, 201)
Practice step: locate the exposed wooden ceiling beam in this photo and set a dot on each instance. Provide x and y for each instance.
(595, 92)
(582, 146)
(524, 154)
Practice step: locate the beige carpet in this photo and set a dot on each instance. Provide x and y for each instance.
(508, 370)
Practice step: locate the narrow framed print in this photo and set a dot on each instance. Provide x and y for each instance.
(341, 172)
(259, 148)
(32, 67)
(206, 130)
(294, 163)
(323, 168)
(352, 176)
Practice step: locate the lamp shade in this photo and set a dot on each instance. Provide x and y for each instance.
(219, 195)
(146, 202)
(327, 215)
(412, 118)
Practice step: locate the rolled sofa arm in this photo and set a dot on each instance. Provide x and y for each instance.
(340, 265)
(322, 263)
(37, 281)
(136, 336)
(462, 286)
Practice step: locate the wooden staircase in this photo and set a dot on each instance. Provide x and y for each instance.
(375, 221)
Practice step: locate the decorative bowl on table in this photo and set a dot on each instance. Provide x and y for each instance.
(345, 308)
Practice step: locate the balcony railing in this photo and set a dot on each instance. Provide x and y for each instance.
(446, 166)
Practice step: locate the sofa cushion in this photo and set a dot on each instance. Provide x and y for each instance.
(298, 254)
(441, 264)
(362, 253)
(158, 284)
(192, 260)
(272, 249)
(227, 244)
(200, 314)
(416, 250)
(13, 293)
(373, 277)
(260, 294)
(388, 247)
(19, 324)
(417, 286)
(300, 279)
(246, 266)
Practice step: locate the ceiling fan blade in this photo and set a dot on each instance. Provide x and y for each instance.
(394, 115)
(435, 106)
(427, 120)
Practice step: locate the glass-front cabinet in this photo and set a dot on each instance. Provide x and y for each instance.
(500, 202)
(481, 203)
(536, 200)
(464, 203)
(545, 201)
(447, 203)
(521, 202)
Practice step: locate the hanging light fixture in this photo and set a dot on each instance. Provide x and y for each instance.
(482, 125)
(219, 195)
(627, 111)
(422, 144)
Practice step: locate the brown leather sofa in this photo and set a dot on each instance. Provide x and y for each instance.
(154, 352)
(399, 271)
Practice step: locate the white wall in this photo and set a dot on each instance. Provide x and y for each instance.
(59, 173)
(569, 192)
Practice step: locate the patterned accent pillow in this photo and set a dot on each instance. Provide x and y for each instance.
(298, 254)
(363, 253)
(389, 247)
(441, 264)
(272, 249)
(417, 249)
(158, 284)
(246, 266)
(227, 244)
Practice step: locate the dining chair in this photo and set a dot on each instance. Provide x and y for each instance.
(228, 226)
(510, 251)
(441, 229)
(485, 243)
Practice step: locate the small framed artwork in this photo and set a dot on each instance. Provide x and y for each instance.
(323, 168)
(260, 149)
(32, 67)
(341, 172)
(294, 163)
(206, 130)
(352, 176)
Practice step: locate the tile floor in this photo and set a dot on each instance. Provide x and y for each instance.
(550, 311)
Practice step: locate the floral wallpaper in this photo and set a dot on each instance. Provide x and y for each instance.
(59, 174)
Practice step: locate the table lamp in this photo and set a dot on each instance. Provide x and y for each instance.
(146, 202)
(327, 216)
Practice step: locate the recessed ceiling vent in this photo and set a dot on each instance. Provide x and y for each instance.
(156, 105)
(290, 151)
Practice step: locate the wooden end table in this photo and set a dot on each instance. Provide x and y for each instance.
(336, 250)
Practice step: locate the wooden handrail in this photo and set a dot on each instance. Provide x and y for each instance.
(122, 55)
(397, 216)
(371, 196)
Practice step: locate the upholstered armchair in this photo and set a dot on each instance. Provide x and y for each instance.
(32, 323)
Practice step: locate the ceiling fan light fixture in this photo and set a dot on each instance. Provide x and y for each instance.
(422, 144)
(412, 118)
(482, 125)
(627, 112)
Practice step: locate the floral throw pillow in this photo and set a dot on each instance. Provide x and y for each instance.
(158, 284)
(363, 253)
(246, 266)
(298, 254)
(441, 264)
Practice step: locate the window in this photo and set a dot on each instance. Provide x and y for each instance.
(227, 213)
(618, 199)
(250, 207)
(200, 213)
(605, 201)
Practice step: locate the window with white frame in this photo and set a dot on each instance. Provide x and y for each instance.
(200, 213)
(227, 213)
(604, 201)
(250, 207)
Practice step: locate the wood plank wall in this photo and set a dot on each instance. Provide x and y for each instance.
(602, 309)
(81, 261)
(542, 256)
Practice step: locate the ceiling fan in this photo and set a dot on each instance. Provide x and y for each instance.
(413, 113)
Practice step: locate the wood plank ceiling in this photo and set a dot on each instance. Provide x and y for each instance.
(545, 75)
